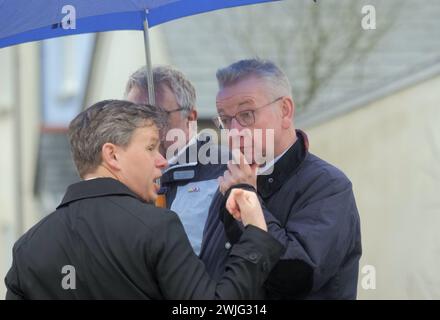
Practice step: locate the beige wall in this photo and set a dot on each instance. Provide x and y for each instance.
(29, 95)
(7, 226)
(390, 150)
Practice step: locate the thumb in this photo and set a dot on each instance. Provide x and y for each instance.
(242, 199)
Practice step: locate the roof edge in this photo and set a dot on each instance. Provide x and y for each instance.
(319, 115)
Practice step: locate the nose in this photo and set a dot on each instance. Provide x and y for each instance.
(236, 125)
(160, 161)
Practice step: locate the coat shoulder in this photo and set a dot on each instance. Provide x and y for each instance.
(146, 214)
(321, 172)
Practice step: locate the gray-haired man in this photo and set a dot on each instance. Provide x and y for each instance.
(308, 203)
(188, 185)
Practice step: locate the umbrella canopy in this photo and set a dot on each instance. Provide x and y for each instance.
(29, 20)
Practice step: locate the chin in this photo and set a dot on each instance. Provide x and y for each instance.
(152, 197)
(147, 197)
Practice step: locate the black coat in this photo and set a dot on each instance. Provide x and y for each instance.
(309, 206)
(123, 248)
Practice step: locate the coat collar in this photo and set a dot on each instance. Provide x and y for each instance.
(94, 188)
(285, 167)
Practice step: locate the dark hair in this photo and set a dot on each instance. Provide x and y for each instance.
(111, 121)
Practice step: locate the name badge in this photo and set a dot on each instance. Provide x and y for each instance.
(184, 175)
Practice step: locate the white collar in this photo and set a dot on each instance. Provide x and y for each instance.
(267, 166)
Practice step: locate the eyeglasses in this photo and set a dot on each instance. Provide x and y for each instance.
(168, 112)
(245, 118)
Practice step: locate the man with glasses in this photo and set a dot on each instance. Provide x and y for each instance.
(308, 204)
(188, 185)
(245, 118)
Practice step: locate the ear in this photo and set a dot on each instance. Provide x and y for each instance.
(192, 122)
(192, 115)
(287, 112)
(109, 154)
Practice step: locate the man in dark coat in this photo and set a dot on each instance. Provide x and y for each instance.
(107, 241)
(309, 204)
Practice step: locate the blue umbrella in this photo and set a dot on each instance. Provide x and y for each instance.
(29, 20)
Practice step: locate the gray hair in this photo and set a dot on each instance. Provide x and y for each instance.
(175, 80)
(255, 67)
(111, 121)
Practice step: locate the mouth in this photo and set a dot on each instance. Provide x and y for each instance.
(156, 182)
(247, 151)
(156, 187)
(246, 146)
(241, 144)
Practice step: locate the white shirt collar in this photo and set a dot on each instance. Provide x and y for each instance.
(270, 164)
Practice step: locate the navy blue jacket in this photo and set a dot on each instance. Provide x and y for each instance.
(189, 187)
(309, 206)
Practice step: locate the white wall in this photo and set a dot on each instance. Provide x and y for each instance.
(29, 96)
(390, 150)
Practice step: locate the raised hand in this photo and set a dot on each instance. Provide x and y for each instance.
(244, 206)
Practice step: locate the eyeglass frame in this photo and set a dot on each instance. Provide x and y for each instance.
(220, 124)
(171, 111)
